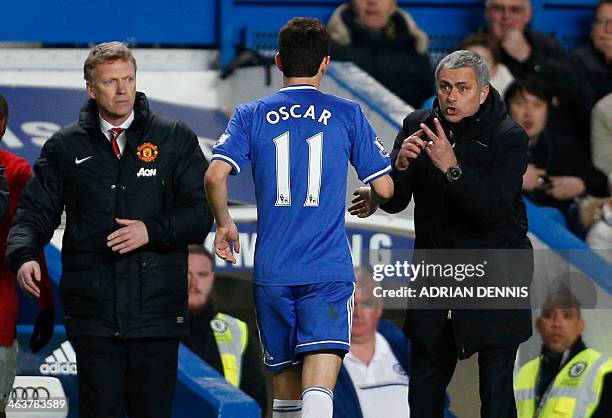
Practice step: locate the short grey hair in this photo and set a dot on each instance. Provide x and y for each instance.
(462, 59)
(105, 52)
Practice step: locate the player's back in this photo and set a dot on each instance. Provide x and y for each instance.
(299, 142)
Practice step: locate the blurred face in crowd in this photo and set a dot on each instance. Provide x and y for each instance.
(530, 112)
(602, 29)
(201, 280)
(560, 328)
(114, 89)
(485, 54)
(458, 93)
(504, 15)
(374, 14)
(367, 312)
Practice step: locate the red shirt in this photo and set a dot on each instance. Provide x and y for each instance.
(17, 172)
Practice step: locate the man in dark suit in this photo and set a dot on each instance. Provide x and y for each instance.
(463, 162)
(130, 182)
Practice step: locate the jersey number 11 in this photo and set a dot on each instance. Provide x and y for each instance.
(315, 167)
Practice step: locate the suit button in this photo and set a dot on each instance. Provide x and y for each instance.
(113, 187)
(144, 263)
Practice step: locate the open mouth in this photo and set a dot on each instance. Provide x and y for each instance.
(451, 111)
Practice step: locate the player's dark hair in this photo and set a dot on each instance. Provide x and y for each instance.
(531, 84)
(3, 107)
(302, 44)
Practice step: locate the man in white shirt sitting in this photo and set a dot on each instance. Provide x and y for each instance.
(373, 379)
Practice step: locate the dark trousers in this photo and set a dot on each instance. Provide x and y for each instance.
(135, 376)
(432, 367)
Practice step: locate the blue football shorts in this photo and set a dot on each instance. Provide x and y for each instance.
(294, 320)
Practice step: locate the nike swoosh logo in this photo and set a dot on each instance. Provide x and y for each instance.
(82, 160)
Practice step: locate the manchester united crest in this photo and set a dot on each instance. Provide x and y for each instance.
(147, 152)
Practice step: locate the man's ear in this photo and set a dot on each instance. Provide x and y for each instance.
(528, 12)
(324, 65)
(538, 324)
(90, 90)
(278, 62)
(3, 122)
(484, 94)
(379, 312)
(580, 326)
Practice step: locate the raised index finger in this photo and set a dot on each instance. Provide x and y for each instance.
(439, 128)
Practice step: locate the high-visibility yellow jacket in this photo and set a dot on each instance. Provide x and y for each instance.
(575, 391)
(231, 336)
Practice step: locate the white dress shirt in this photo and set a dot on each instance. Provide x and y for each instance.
(105, 127)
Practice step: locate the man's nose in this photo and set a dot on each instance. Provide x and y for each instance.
(122, 86)
(557, 321)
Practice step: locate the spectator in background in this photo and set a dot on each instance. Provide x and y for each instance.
(522, 50)
(485, 46)
(373, 379)
(601, 136)
(384, 41)
(598, 219)
(525, 51)
(16, 171)
(559, 170)
(595, 215)
(594, 60)
(567, 379)
(219, 339)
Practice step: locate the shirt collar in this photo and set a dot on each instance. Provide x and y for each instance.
(382, 350)
(298, 87)
(105, 126)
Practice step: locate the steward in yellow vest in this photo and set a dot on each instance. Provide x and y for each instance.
(567, 380)
(219, 339)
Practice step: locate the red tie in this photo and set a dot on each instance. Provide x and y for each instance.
(114, 133)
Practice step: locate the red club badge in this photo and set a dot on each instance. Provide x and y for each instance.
(147, 152)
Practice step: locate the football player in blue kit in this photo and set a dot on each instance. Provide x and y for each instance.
(299, 142)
